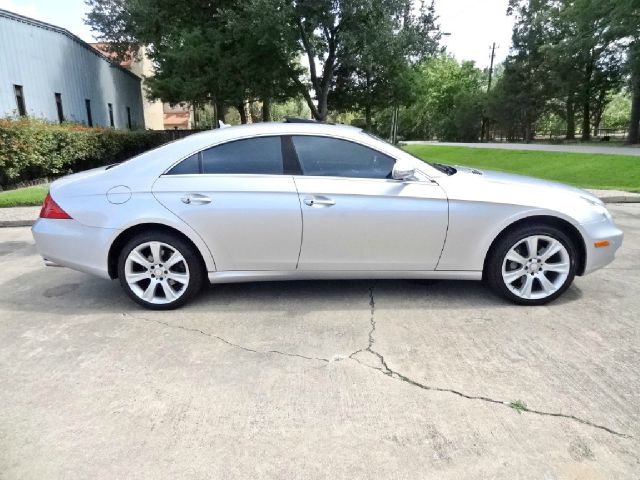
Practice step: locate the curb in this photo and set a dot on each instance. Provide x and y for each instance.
(16, 223)
(621, 199)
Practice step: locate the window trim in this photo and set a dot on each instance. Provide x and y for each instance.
(302, 174)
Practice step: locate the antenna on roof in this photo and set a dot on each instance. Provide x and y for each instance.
(222, 124)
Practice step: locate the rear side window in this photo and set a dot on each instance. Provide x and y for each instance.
(262, 155)
(332, 157)
(188, 166)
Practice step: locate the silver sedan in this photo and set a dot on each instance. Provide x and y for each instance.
(276, 201)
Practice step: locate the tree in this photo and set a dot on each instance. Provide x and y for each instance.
(228, 51)
(525, 85)
(624, 20)
(380, 69)
(566, 57)
(202, 50)
(448, 103)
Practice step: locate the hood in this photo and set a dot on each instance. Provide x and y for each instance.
(509, 179)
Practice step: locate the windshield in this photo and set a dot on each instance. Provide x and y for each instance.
(441, 167)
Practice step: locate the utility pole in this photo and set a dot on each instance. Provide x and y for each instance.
(484, 119)
(493, 56)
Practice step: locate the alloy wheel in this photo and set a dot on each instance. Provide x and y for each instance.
(536, 267)
(156, 272)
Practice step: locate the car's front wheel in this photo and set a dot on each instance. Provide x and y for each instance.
(532, 265)
(159, 271)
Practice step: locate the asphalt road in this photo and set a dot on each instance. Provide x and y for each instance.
(310, 380)
(543, 147)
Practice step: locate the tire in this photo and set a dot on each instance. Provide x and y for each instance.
(175, 269)
(514, 273)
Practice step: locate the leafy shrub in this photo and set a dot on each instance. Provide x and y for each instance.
(32, 148)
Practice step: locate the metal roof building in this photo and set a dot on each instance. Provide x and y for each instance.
(47, 72)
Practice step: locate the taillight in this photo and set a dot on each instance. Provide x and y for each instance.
(51, 209)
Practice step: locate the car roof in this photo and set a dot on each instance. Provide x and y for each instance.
(273, 128)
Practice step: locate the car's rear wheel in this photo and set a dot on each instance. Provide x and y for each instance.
(159, 271)
(532, 265)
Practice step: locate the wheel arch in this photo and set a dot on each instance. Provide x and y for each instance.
(567, 227)
(123, 237)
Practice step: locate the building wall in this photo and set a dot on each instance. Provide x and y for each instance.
(46, 60)
(153, 111)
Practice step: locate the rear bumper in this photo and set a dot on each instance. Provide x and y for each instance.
(601, 257)
(68, 243)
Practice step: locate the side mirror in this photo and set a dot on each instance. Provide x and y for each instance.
(404, 170)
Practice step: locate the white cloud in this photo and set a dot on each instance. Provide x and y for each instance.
(67, 14)
(474, 25)
(28, 10)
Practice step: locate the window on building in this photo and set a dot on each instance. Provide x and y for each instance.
(22, 109)
(110, 114)
(87, 104)
(129, 118)
(59, 107)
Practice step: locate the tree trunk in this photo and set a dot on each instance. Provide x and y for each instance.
(598, 111)
(586, 121)
(266, 109)
(367, 117)
(242, 112)
(571, 118)
(221, 113)
(586, 102)
(634, 123)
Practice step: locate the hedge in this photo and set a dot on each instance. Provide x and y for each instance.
(33, 149)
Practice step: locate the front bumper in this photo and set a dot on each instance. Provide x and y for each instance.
(68, 243)
(600, 257)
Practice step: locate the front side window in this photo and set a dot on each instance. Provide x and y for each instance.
(262, 155)
(332, 157)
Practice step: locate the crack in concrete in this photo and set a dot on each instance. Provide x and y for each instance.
(224, 340)
(385, 369)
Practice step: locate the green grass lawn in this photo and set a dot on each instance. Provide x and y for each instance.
(24, 196)
(607, 172)
(617, 172)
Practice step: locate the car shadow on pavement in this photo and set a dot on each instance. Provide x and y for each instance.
(66, 291)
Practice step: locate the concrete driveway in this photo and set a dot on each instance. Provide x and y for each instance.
(310, 380)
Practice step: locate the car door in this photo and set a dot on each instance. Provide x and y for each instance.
(355, 217)
(236, 196)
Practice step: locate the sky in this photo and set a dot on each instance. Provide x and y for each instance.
(473, 24)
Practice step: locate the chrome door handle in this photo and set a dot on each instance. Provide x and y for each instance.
(195, 198)
(319, 201)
